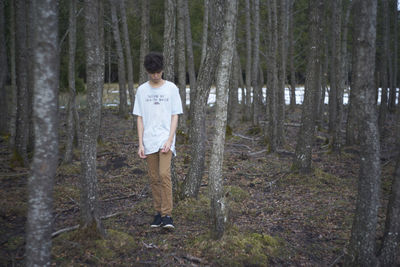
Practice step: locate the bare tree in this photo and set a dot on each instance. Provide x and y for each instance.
(123, 105)
(72, 123)
(128, 54)
(169, 39)
(362, 242)
(3, 72)
(90, 217)
(218, 203)
(22, 119)
(45, 159)
(144, 38)
(205, 77)
(302, 159)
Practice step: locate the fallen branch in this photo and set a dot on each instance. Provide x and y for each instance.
(245, 137)
(192, 258)
(13, 174)
(258, 152)
(119, 198)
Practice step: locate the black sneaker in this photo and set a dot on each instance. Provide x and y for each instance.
(157, 221)
(167, 222)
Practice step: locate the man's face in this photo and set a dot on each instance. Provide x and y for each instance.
(156, 76)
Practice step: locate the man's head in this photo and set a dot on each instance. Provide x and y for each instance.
(154, 62)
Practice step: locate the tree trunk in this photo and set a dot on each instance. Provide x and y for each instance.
(257, 94)
(363, 233)
(393, 87)
(273, 77)
(282, 44)
(204, 39)
(233, 102)
(144, 39)
(218, 203)
(123, 108)
(71, 83)
(291, 57)
(247, 112)
(13, 117)
(189, 52)
(90, 217)
(169, 39)
(391, 239)
(128, 54)
(22, 120)
(205, 78)
(302, 159)
(3, 72)
(384, 67)
(180, 47)
(45, 159)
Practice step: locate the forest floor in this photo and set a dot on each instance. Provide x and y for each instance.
(277, 217)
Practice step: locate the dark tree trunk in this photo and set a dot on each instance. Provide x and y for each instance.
(302, 160)
(13, 117)
(233, 103)
(384, 66)
(45, 114)
(144, 39)
(3, 72)
(206, 74)
(257, 94)
(71, 123)
(218, 203)
(247, 111)
(180, 51)
(128, 54)
(363, 234)
(22, 120)
(291, 57)
(204, 39)
(90, 217)
(393, 77)
(123, 106)
(169, 39)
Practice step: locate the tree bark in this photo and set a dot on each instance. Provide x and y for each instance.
(205, 31)
(384, 67)
(144, 39)
(123, 106)
(71, 123)
(291, 57)
(90, 217)
(128, 54)
(218, 202)
(13, 117)
(302, 160)
(45, 159)
(362, 242)
(3, 72)
(180, 47)
(257, 94)
(393, 77)
(233, 100)
(169, 39)
(248, 112)
(22, 119)
(206, 74)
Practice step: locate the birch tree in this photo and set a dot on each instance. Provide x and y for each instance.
(218, 203)
(45, 159)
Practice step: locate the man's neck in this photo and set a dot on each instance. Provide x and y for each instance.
(156, 84)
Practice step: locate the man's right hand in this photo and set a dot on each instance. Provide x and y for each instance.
(141, 152)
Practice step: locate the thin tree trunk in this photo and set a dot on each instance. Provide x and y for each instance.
(189, 52)
(22, 119)
(302, 159)
(233, 103)
(218, 203)
(71, 83)
(206, 74)
(363, 234)
(45, 159)
(393, 77)
(13, 118)
(128, 54)
(391, 238)
(204, 39)
(144, 39)
(257, 94)
(169, 39)
(180, 47)
(90, 217)
(3, 72)
(291, 57)
(123, 106)
(384, 67)
(247, 112)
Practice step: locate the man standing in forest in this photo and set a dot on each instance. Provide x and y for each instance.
(157, 105)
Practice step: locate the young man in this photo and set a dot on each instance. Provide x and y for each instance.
(157, 105)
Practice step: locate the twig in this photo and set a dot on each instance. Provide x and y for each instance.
(337, 260)
(13, 174)
(192, 258)
(258, 152)
(240, 145)
(149, 246)
(118, 198)
(245, 137)
(292, 124)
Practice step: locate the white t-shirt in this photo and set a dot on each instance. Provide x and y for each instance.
(156, 106)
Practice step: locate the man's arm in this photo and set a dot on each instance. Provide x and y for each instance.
(174, 124)
(140, 130)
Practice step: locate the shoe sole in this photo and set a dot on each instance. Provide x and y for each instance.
(155, 226)
(168, 226)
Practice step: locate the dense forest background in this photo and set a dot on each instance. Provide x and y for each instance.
(288, 148)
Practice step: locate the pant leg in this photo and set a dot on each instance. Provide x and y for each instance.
(166, 185)
(155, 182)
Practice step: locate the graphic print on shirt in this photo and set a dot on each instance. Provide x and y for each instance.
(156, 99)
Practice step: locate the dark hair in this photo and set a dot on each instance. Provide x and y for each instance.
(154, 62)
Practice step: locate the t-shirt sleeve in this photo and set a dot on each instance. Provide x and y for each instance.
(137, 108)
(176, 102)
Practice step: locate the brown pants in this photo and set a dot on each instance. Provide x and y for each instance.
(159, 165)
